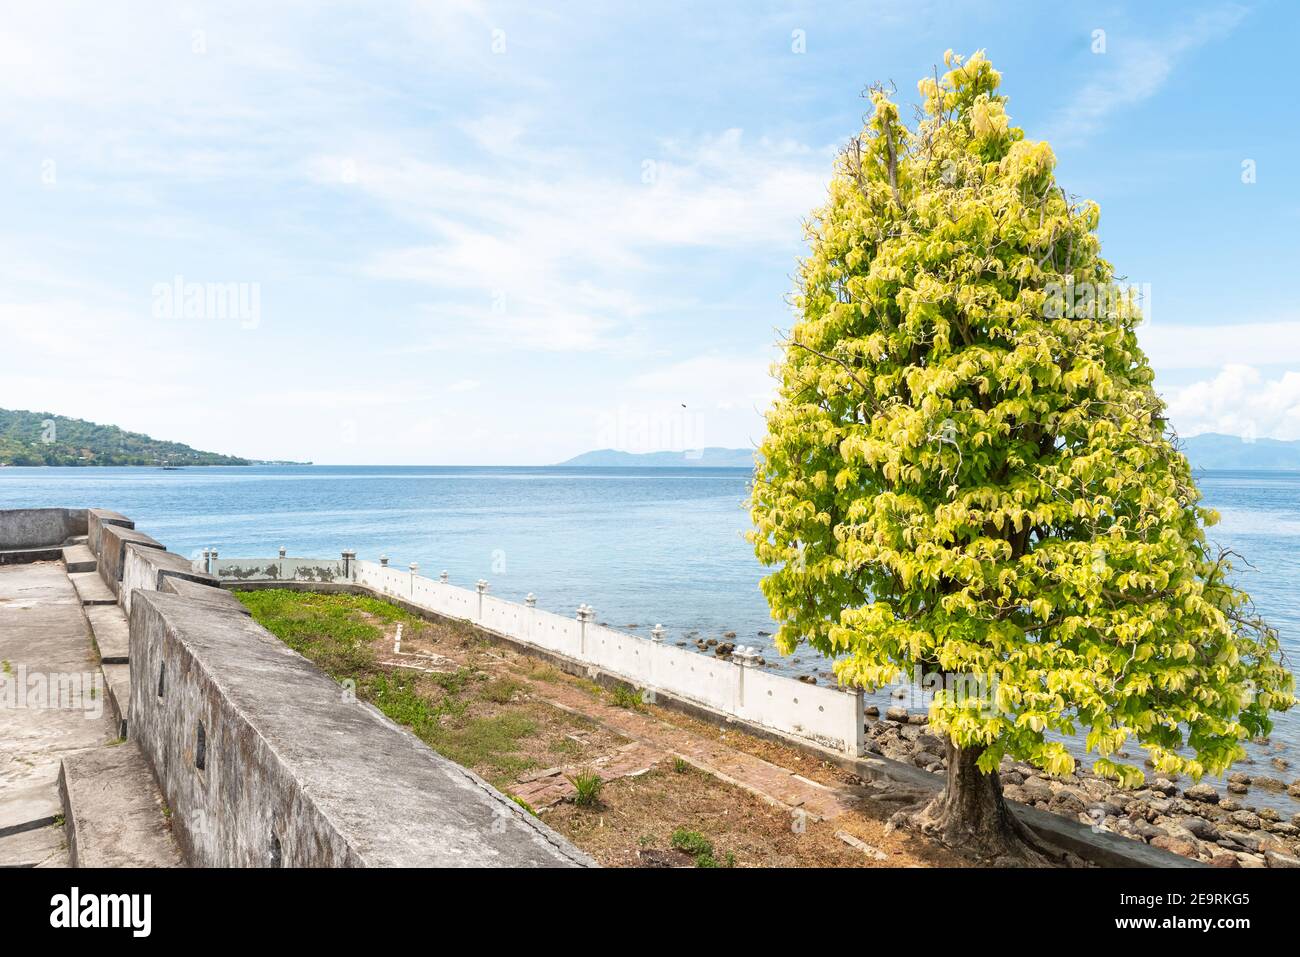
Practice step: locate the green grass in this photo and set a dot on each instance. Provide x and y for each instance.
(589, 786)
(626, 697)
(331, 631)
(681, 765)
(692, 842)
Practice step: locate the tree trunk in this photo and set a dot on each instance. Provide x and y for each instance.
(972, 815)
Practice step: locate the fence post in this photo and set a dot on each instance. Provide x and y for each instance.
(349, 564)
(744, 658)
(414, 568)
(383, 561)
(530, 602)
(585, 613)
(857, 742)
(481, 586)
(283, 551)
(207, 562)
(212, 561)
(657, 633)
(443, 577)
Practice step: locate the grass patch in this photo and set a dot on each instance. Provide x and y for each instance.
(626, 697)
(700, 847)
(337, 633)
(500, 690)
(589, 786)
(681, 765)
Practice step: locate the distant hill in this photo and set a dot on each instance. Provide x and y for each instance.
(714, 458)
(1207, 451)
(41, 438)
(1214, 451)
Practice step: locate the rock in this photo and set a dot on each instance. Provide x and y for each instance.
(728, 634)
(1269, 784)
(1295, 819)
(1236, 787)
(652, 857)
(1014, 792)
(1228, 804)
(764, 634)
(1176, 845)
(1286, 830)
(1249, 841)
(1244, 818)
(1012, 777)
(871, 711)
(1200, 828)
(1036, 789)
(1164, 786)
(1293, 789)
(1239, 777)
(1250, 860)
(1274, 859)
(1268, 814)
(808, 679)
(896, 713)
(918, 719)
(1068, 801)
(931, 742)
(711, 642)
(925, 759)
(1280, 763)
(1204, 793)
(1225, 860)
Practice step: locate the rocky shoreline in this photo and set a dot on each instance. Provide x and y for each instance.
(1196, 821)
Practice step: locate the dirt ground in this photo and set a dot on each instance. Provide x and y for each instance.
(533, 732)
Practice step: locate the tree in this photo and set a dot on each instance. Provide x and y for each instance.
(967, 471)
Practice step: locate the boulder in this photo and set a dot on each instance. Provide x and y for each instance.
(1202, 792)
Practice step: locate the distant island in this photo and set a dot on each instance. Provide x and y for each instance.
(1210, 450)
(1207, 451)
(712, 458)
(42, 438)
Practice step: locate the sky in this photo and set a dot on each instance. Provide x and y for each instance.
(493, 233)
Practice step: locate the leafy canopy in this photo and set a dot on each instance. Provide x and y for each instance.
(966, 468)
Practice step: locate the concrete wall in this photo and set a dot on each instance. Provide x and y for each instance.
(39, 527)
(826, 716)
(111, 554)
(265, 761)
(96, 519)
(146, 568)
(275, 569)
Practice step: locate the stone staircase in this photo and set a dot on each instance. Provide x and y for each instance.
(113, 814)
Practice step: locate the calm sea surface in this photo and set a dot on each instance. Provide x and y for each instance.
(641, 545)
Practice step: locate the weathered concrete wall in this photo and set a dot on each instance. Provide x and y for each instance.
(826, 716)
(278, 569)
(111, 555)
(266, 761)
(147, 568)
(196, 591)
(96, 519)
(39, 527)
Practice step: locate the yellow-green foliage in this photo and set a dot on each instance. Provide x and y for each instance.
(959, 476)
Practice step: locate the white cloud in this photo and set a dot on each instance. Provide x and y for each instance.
(1182, 346)
(1239, 400)
(1135, 68)
(543, 252)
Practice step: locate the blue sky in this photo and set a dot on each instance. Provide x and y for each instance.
(487, 233)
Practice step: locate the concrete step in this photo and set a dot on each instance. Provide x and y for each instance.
(78, 558)
(112, 633)
(113, 812)
(39, 847)
(91, 589)
(117, 686)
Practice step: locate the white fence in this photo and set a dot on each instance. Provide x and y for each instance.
(826, 716)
